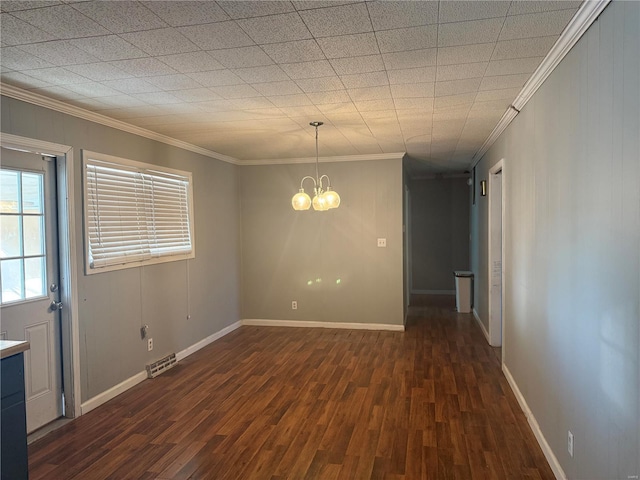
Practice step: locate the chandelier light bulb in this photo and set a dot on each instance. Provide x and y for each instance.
(301, 201)
(331, 198)
(319, 203)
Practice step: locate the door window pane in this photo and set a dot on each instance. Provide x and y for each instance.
(32, 196)
(33, 235)
(10, 236)
(9, 191)
(12, 280)
(34, 275)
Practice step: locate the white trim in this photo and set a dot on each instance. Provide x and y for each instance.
(68, 261)
(544, 445)
(336, 159)
(206, 341)
(582, 20)
(484, 330)
(113, 392)
(495, 329)
(259, 322)
(433, 292)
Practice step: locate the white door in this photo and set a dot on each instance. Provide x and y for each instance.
(495, 258)
(29, 277)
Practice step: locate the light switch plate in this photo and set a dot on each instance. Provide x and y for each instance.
(382, 242)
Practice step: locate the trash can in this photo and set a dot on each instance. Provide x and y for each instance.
(463, 290)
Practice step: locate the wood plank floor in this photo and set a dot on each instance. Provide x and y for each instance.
(294, 403)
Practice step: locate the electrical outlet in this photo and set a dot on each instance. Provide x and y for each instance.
(150, 344)
(294, 305)
(570, 443)
(382, 242)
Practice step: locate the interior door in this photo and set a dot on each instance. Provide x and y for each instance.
(29, 277)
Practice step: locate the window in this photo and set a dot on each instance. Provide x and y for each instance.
(135, 213)
(22, 247)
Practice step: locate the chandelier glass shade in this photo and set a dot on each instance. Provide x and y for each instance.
(323, 198)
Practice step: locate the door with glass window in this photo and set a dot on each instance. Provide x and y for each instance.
(30, 298)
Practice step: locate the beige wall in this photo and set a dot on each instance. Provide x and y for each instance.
(572, 250)
(328, 262)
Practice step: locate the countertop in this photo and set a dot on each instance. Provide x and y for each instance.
(11, 347)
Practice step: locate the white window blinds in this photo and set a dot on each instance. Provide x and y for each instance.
(135, 214)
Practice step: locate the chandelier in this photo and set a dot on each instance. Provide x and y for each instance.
(322, 199)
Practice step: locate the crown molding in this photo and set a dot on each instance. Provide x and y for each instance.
(588, 13)
(62, 107)
(339, 158)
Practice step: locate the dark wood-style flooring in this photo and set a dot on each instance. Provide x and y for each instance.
(298, 403)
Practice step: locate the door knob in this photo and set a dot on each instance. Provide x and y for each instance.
(55, 306)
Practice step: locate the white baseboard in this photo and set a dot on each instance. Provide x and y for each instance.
(546, 449)
(484, 330)
(130, 382)
(433, 292)
(206, 341)
(257, 322)
(113, 392)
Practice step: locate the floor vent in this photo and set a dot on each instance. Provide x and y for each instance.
(156, 368)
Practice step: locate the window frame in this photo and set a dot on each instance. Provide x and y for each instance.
(141, 167)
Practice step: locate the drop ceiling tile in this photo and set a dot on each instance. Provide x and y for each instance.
(14, 5)
(412, 90)
(178, 13)
(176, 81)
(512, 66)
(311, 4)
(309, 111)
(216, 78)
(275, 28)
(214, 36)
(369, 93)
(92, 90)
(471, 10)
(334, 96)
(22, 80)
(315, 69)
(269, 73)
(163, 41)
(58, 76)
(17, 32)
(132, 86)
(388, 14)
(191, 62)
(445, 103)
(375, 105)
(425, 104)
(236, 91)
(290, 100)
(323, 84)
(349, 45)
(461, 71)
(402, 39)
(57, 92)
(16, 58)
(248, 9)
(504, 81)
(353, 65)
(120, 17)
(277, 88)
(465, 54)
(524, 47)
(504, 94)
(99, 71)
(196, 95)
(143, 67)
(329, 109)
(254, 103)
(341, 20)
(218, 105)
(469, 33)
(536, 24)
(412, 75)
(106, 48)
(519, 7)
(359, 80)
(59, 52)
(242, 57)
(454, 87)
(290, 52)
(157, 98)
(62, 21)
(412, 59)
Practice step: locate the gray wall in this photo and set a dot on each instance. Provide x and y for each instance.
(439, 232)
(285, 253)
(572, 251)
(113, 305)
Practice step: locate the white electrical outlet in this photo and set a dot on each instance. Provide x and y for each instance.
(382, 242)
(150, 344)
(570, 443)
(294, 305)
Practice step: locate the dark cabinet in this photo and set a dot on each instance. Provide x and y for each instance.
(13, 441)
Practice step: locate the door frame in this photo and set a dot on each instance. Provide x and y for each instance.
(68, 262)
(496, 329)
